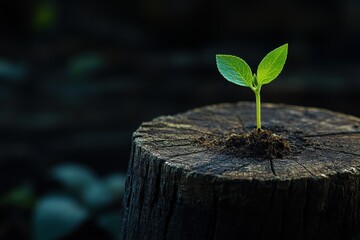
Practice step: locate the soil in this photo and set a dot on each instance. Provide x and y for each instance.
(259, 143)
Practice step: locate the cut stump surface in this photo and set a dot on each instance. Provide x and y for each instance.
(178, 189)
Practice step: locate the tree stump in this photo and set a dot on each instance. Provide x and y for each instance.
(177, 189)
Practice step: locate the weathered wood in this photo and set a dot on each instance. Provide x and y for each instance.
(179, 190)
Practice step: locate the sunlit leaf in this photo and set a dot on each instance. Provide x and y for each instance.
(272, 64)
(234, 69)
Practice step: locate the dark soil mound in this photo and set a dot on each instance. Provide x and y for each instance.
(258, 143)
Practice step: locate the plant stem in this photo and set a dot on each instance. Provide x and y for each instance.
(258, 109)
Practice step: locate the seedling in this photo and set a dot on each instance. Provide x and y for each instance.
(236, 70)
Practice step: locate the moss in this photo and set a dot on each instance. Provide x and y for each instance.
(259, 143)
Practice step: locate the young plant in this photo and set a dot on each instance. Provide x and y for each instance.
(237, 71)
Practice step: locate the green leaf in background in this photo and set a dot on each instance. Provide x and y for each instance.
(101, 193)
(234, 69)
(272, 64)
(22, 196)
(96, 196)
(44, 16)
(57, 216)
(73, 177)
(84, 65)
(115, 184)
(111, 222)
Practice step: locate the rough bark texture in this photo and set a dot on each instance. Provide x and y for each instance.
(179, 190)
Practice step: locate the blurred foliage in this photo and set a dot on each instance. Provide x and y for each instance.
(84, 65)
(21, 197)
(76, 201)
(74, 178)
(12, 71)
(83, 196)
(56, 216)
(44, 16)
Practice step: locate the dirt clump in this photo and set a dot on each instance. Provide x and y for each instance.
(258, 143)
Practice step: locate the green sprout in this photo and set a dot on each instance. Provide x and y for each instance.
(237, 71)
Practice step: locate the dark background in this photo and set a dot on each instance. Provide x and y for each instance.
(78, 77)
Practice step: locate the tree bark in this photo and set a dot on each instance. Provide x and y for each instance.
(177, 189)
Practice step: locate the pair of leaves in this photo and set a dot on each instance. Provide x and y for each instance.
(236, 70)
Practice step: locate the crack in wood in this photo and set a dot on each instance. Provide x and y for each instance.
(271, 202)
(176, 128)
(285, 210)
(172, 205)
(171, 140)
(311, 173)
(157, 146)
(176, 145)
(129, 181)
(203, 119)
(331, 134)
(272, 166)
(184, 154)
(214, 213)
(157, 185)
(304, 210)
(336, 150)
(142, 191)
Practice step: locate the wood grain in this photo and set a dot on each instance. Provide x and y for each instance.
(177, 189)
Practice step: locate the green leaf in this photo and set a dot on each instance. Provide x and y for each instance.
(56, 216)
(234, 70)
(73, 177)
(272, 64)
